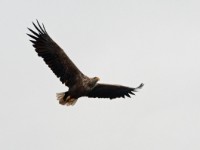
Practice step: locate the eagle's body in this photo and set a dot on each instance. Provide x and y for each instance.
(78, 83)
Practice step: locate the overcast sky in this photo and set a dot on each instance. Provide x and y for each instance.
(128, 42)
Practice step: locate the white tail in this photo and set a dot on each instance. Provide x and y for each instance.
(65, 101)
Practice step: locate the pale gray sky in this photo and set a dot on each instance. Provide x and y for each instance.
(127, 42)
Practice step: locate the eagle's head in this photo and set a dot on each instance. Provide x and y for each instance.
(96, 79)
(93, 81)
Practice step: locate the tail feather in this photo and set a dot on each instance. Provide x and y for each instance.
(60, 98)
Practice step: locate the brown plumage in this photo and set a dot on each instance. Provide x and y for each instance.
(78, 83)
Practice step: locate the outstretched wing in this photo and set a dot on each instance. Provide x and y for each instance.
(53, 55)
(112, 91)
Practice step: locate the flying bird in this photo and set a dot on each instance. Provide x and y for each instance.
(78, 84)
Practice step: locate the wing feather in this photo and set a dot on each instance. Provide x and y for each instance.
(112, 91)
(53, 55)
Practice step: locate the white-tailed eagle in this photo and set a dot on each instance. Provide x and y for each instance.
(79, 84)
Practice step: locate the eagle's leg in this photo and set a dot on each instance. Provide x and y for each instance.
(62, 97)
(71, 101)
(65, 99)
